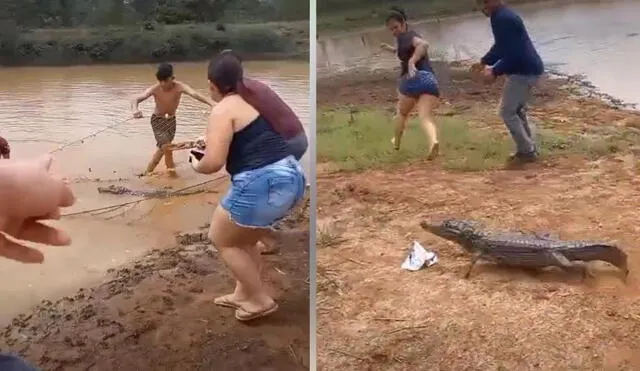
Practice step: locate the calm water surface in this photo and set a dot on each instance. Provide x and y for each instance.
(599, 39)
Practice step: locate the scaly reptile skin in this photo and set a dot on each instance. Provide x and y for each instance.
(522, 250)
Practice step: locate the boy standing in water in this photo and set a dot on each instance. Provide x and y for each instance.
(513, 55)
(5, 150)
(166, 93)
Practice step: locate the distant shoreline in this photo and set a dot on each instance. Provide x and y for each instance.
(135, 45)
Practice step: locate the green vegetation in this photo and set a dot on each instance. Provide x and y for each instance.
(344, 15)
(362, 140)
(53, 32)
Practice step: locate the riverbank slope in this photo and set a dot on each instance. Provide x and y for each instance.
(157, 311)
(153, 43)
(371, 199)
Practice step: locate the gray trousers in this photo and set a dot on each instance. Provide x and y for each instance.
(513, 110)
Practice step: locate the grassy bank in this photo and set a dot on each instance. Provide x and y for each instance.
(361, 141)
(154, 43)
(354, 14)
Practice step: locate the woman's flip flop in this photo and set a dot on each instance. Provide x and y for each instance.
(226, 301)
(243, 315)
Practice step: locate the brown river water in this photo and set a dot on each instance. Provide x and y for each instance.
(46, 108)
(598, 39)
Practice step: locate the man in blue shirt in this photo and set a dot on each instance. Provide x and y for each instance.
(513, 55)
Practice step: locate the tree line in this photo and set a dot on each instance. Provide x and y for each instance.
(32, 14)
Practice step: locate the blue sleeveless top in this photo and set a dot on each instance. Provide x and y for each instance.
(405, 50)
(255, 146)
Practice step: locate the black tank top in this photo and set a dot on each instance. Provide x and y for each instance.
(255, 146)
(404, 43)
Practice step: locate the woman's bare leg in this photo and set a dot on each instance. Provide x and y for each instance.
(426, 106)
(237, 247)
(403, 109)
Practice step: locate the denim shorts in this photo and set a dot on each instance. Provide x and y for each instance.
(261, 197)
(424, 82)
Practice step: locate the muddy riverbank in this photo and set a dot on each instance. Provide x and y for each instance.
(157, 312)
(373, 315)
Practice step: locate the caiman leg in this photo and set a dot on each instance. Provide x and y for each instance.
(477, 256)
(568, 266)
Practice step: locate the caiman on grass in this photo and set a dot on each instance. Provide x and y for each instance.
(529, 251)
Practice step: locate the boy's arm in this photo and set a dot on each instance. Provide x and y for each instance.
(141, 98)
(188, 90)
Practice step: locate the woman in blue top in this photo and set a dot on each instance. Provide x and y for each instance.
(266, 183)
(418, 86)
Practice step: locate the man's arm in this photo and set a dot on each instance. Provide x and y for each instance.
(141, 98)
(509, 30)
(491, 57)
(188, 90)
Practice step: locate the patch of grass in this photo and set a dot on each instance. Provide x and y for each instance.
(362, 140)
(328, 236)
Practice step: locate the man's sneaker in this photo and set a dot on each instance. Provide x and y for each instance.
(523, 157)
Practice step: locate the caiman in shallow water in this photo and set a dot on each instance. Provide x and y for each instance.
(531, 251)
(156, 193)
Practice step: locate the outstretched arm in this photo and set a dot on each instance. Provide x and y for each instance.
(219, 136)
(141, 98)
(188, 90)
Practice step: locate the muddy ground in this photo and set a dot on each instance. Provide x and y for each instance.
(374, 316)
(158, 314)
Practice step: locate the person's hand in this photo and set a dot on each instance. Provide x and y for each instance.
(201, 142)
(488, 76)
(137, 114)
(30, 194)
(411, 70)
(195, 156)
(385, 46)
(477, 67)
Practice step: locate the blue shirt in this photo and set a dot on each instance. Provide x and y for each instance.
(512, 52)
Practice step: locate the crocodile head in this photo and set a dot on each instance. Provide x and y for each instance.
(463, 232)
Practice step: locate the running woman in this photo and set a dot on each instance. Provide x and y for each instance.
(418, 86)
(266, 184)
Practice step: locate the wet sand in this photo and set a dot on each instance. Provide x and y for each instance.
(156, 311)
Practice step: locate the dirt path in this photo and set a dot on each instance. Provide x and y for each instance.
(158, 313)
(374, 316)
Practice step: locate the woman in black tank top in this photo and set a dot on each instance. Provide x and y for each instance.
(417, 86)
(266, 183)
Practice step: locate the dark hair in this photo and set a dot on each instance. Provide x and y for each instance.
(231, 53)
(225, 71)
(164, 72)
(396, 14)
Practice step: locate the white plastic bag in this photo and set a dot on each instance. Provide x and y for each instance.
(418, 258)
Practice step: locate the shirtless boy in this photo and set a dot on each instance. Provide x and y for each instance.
(5, 150)
(166, 93)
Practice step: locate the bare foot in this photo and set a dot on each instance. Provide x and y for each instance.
(393, 141)
(433, 153)
(172, 173)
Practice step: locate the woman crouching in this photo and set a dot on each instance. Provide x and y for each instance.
(266, 183)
